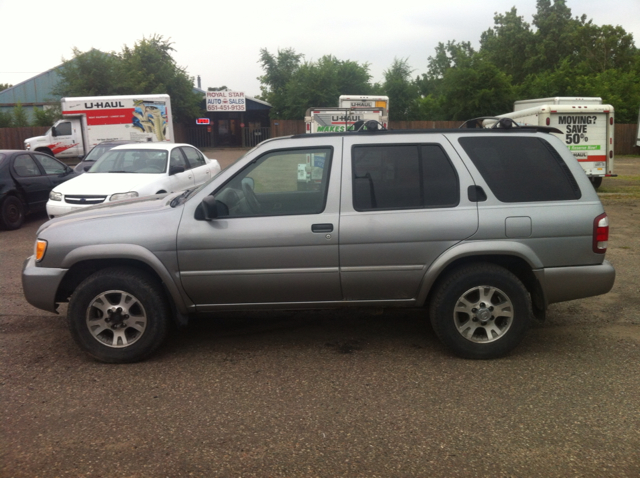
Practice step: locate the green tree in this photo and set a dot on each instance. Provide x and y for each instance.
(402, 91)
(316, 84)
(278, 70)
(555, 39)
(91, 73)
(46, 117)
(292, 86)
(146, 68)
(149, 68)
(509, 44)
(20, 118)
(4, 86)
(6, 119)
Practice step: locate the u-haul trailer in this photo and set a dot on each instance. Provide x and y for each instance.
(587, 128)
(337, 120)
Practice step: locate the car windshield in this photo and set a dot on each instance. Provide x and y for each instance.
(139, 161)
(98, 151)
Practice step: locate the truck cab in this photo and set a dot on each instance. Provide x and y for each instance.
(62, 140)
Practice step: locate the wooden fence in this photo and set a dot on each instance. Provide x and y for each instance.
(625, 139)
(625, 134)
(13, 138)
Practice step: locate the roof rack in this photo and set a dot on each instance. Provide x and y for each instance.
(505, 123)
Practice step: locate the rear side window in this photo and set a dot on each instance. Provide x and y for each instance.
(520, 169)
(409, 176)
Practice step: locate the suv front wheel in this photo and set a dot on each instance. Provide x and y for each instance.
(119, 315)
(481, 311)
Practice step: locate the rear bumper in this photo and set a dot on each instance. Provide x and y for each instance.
(40, 284)
(569, 283)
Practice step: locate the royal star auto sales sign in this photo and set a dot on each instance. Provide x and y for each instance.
(226, 101)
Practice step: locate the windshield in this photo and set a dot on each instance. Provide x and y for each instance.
(98, 151)
(139, 161)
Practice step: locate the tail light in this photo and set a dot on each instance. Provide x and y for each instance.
(600, 233)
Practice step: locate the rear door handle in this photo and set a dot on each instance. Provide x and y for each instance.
(322, 228)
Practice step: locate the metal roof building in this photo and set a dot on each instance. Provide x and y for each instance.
(34, 92)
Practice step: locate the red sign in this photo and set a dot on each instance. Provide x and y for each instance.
(203, 121)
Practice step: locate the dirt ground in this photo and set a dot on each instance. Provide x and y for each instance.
(364, 393)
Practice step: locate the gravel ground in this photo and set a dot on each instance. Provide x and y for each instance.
(362, 393)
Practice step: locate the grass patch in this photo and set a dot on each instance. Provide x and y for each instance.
(622, 187)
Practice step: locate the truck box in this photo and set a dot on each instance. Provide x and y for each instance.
(359, 102)
(587, 129)
(336, 120)
(88, 121)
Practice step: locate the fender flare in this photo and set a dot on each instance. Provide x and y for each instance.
(131, 252)
(471, 249)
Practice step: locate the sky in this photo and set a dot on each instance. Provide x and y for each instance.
(221, 41)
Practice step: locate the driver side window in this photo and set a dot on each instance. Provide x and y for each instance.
(290, 182)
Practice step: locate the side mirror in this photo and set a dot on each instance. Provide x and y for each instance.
(54, 132)
(207, 210)
(175, 170)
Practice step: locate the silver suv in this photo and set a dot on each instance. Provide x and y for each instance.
(481, 228)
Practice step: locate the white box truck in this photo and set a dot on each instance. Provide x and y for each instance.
(336, 120)
(90, 120)
(587, 128)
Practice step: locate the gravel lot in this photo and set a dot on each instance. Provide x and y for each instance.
(361, 393)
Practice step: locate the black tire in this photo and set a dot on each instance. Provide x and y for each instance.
(596, 181)
(481, 311)
(127, 335)
(12, 213)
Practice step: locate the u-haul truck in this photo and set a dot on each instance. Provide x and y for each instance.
(587, 128)
(90, 120)
(363, 102)
(336, 120)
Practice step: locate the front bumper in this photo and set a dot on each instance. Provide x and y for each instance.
(40, 284)
(60, 208)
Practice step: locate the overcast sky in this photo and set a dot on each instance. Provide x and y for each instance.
(221, 41)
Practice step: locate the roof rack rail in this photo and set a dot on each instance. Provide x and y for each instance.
(505, 124)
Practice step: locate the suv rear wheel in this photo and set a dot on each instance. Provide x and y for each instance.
(119, 315)
(481, 311)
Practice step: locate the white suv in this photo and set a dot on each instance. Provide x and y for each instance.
(131, 171)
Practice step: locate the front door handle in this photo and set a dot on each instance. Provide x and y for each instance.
(322, 228)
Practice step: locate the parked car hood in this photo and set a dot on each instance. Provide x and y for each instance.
(107, 183)
(140, 206)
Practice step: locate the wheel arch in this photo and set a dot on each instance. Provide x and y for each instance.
(84, 261)
(514, 259)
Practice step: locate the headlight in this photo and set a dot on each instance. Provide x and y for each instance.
(118, 196)
(27, 146)
(40, 249)
(54, 196)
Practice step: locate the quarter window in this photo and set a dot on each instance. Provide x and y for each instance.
(194, 157)
(520, 169)
(403, 177)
